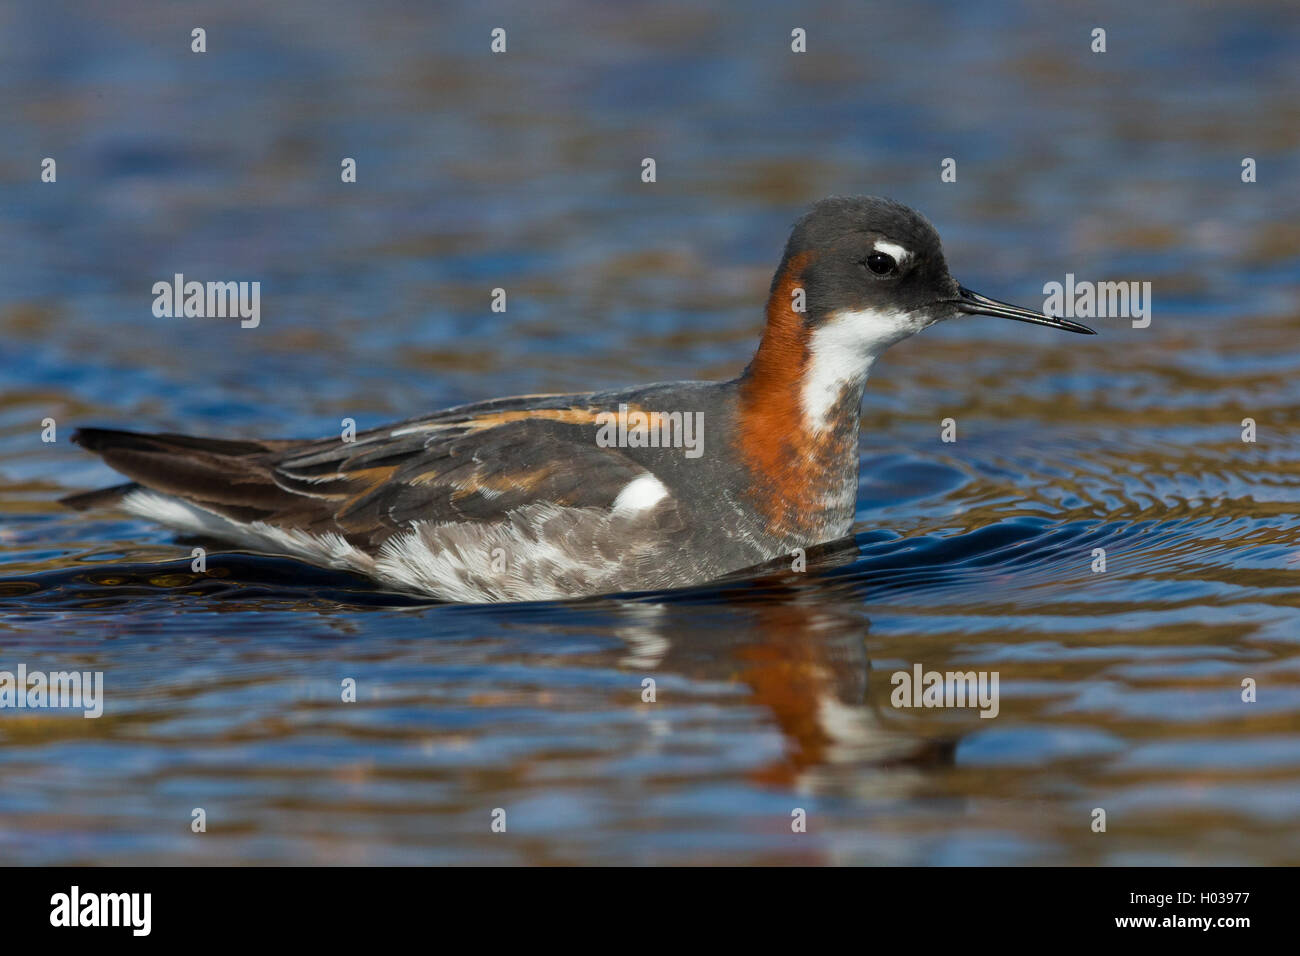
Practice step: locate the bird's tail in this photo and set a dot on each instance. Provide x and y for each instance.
(212, 470)
(100, 497)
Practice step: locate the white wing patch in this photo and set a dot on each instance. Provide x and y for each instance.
(640, 494)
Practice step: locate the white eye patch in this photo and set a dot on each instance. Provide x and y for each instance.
(892, 249)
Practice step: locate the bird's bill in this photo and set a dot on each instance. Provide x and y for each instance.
(973, 303)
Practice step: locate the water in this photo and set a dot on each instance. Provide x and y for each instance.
(1119, 690)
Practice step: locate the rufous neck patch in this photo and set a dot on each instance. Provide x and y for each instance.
(792, 467)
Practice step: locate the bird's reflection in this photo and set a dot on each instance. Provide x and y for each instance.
(803, 659)
(796, 644)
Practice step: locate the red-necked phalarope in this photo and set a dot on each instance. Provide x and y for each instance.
(558, 496)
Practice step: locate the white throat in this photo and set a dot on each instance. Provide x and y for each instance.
(841, 353)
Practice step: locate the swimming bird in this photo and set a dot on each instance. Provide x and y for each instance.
(541, 497)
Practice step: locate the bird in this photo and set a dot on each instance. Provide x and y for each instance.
(562, 496)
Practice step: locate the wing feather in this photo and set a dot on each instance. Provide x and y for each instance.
(473, 463)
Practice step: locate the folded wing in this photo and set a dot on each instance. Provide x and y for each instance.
(475, 463)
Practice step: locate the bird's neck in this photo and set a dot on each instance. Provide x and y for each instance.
(798, 414)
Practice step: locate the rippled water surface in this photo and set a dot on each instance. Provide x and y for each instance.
(1119, 690)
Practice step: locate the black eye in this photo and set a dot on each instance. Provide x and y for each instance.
(881, 263)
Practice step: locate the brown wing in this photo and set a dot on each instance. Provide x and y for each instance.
(473, 463)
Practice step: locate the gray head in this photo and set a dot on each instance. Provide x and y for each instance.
(858, 275)
(878, 266)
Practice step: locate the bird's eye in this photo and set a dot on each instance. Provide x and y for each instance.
(881, 263)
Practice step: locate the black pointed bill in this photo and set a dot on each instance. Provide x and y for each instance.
(973, 303)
